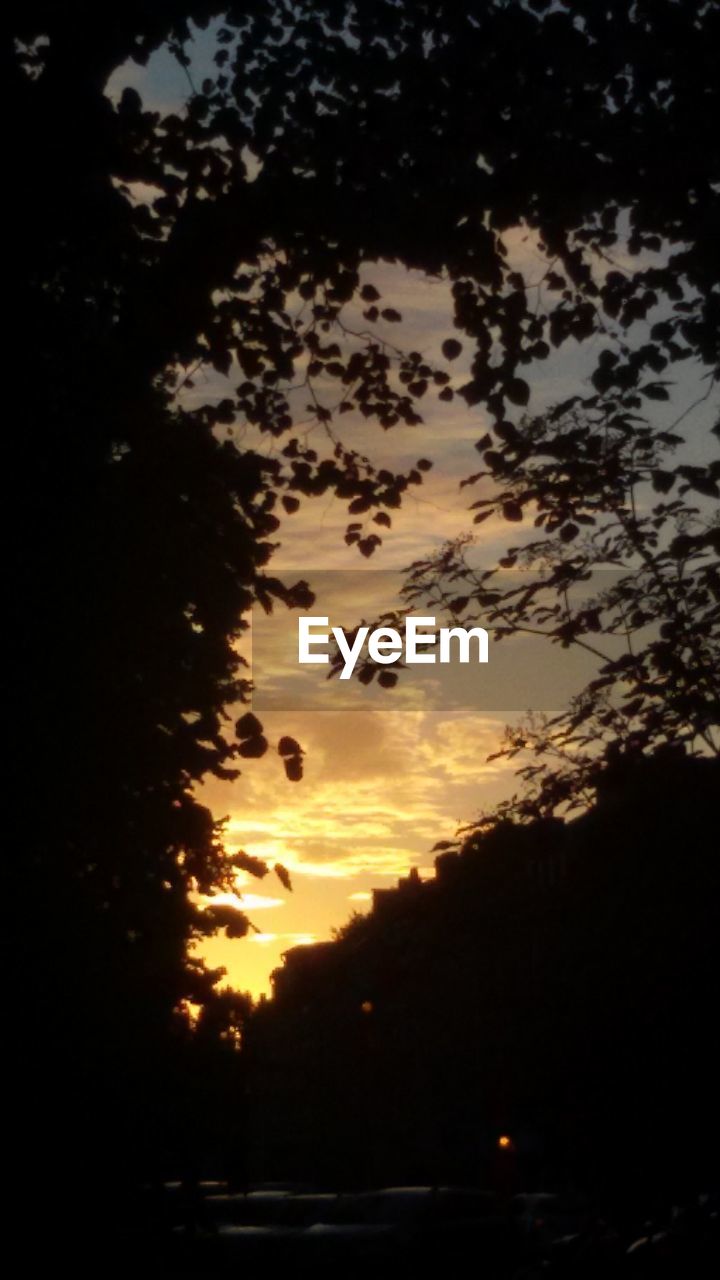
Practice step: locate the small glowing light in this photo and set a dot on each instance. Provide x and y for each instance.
(367, 1006)
(504, 1142)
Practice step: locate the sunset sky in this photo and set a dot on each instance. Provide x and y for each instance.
(385, 777)
(382, 783)
(385, 781)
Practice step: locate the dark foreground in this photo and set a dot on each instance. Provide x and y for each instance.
(213, 1231)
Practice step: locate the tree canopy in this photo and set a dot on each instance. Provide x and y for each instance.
(232, 232)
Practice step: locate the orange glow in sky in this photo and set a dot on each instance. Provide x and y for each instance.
(382, 783)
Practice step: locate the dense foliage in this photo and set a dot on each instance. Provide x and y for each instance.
(232, 232)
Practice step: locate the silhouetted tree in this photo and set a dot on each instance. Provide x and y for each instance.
(230, 233)
(608, 565)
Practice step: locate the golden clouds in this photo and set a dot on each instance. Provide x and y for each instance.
(380, 788)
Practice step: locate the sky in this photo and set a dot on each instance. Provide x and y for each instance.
(383, 782)
(387, 775)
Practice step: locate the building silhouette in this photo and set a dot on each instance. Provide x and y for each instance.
(554, 983)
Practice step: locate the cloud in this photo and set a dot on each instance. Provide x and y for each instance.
(380, 789)
(295, 939)
(245, 901)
